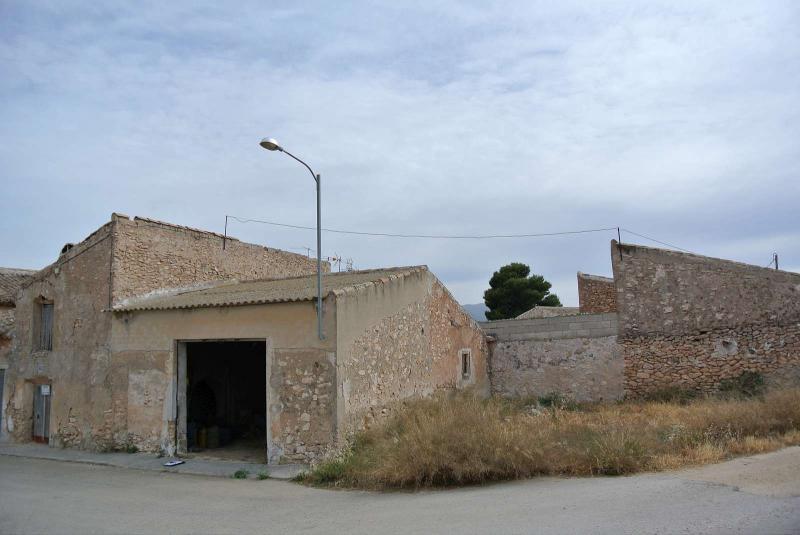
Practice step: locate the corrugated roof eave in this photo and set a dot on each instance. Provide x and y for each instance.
(188, 306)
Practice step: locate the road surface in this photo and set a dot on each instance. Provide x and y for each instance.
(749, 495)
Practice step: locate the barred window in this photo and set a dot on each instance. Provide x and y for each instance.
(44, 337)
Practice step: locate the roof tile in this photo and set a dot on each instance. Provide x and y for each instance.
(235, 293)
(11, 280)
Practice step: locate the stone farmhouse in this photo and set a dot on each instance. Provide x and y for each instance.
(166, 338)
(171, 339)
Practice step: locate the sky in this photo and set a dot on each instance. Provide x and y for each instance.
(678, 120)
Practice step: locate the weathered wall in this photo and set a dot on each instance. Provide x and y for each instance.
(573, 355)
(398, 339)
(453, 329)
(303, 404)
(6, 333)
(669, 292)
(150, 255)
(82, 410)
(596, 295)
(299, 366)
(692, 321)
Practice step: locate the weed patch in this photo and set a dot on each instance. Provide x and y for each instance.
(459, 440)
(746, 385)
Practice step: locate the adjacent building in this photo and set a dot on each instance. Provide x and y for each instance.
(11, 280)
(666, 320)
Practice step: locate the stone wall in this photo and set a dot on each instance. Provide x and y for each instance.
(302, 403)
(452, 330)
(693, 321)
(548, 312)
(82, 410)
(151, 255)
(6, 333)
(573, 355)
(399, 340)
(596, 295)
(670, 292)
(700, 361)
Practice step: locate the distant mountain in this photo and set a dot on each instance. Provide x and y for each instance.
(477, 311)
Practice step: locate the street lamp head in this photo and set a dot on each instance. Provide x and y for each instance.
(270, 144)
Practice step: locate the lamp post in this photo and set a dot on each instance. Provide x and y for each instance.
(272, 145)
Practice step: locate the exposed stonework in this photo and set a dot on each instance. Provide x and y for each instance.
(6, 333)
(596, 295)
(150, 255)
(302, 404)
(661, 291)
(700, 361)
(410, 352)
(387, 363)
(454, 330)
(693, 321)
(574, 355)
(11, 281)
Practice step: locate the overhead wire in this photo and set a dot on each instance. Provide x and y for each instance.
(656, 241)
(454, 236)
(424, 236)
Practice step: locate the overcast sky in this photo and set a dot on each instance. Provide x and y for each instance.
(677, 120)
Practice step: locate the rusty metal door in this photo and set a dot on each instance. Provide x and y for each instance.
(41, 414)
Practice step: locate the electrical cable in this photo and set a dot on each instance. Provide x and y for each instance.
(424, 236)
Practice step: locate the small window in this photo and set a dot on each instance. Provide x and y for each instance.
(466, 365)
(44, 322)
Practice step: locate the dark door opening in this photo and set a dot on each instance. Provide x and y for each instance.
(226, 392)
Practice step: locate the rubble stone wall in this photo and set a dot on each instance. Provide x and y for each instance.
(692, 321)
(701, 360)
(150, 255)
(577, 356)
(302, 404)
(402, 339)
(6, 333)
(596, 295)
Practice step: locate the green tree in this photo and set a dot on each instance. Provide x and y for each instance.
(513, 290)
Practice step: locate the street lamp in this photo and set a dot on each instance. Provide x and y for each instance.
(272, 145)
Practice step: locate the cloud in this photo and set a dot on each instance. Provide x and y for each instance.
(677, 120)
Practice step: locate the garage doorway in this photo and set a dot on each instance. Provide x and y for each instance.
(223, 399)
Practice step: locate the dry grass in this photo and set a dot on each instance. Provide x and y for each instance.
(457, 440)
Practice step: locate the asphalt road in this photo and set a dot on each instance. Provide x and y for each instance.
(749, 495)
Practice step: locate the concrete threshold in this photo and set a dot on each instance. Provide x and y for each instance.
(148, 461)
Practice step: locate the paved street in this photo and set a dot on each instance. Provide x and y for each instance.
(749, 495)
